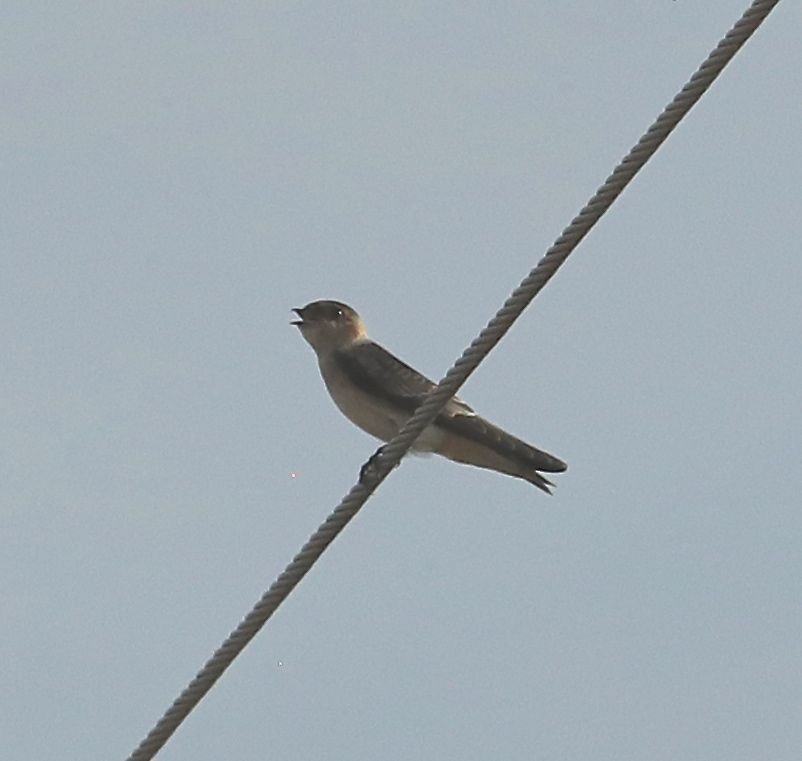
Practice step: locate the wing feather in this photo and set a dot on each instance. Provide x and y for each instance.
(381, 374)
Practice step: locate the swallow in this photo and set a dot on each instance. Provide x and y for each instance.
(378, 393)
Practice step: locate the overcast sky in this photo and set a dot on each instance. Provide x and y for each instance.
(179, 175)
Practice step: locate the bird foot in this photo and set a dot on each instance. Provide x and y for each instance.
(368, 470)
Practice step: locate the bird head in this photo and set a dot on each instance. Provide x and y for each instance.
(329, 325)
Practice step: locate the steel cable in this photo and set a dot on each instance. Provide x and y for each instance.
(390, 454)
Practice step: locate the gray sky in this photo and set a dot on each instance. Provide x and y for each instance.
(179, 175)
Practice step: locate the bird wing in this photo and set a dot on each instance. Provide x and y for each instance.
(381, 374)
(483, 432)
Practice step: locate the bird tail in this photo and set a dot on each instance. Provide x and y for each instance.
(478, 442)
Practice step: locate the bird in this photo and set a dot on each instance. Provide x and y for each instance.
(378, 393)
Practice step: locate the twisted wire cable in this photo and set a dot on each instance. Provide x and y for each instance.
(390, 455)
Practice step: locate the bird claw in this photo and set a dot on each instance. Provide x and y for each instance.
(368, 470)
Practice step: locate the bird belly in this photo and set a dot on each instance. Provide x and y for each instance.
(375, 416)
(363, 410)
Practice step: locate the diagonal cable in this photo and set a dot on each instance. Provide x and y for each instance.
(392, 452)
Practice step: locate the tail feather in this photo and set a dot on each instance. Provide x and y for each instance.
(479, 442)
(542, 483)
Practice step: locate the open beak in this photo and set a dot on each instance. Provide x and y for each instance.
(300, 313)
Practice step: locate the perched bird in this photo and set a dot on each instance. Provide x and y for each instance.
(378, 392)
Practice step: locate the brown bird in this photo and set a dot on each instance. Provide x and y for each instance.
(378, 392)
